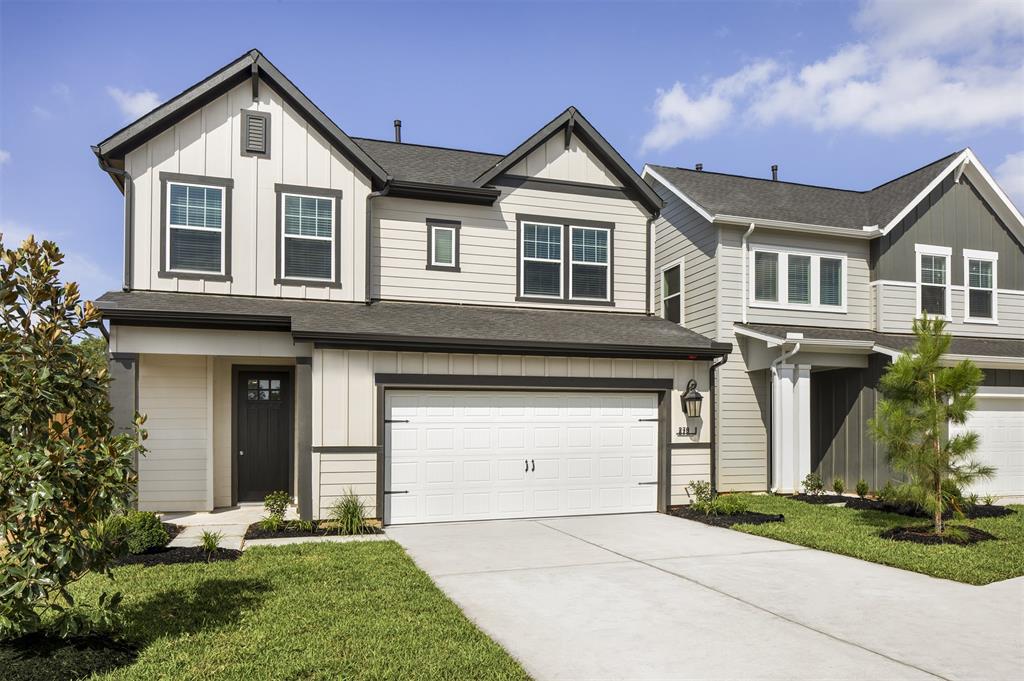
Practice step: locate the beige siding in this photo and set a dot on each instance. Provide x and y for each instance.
(488, 247)
(897, 307)
(552, 161)
(692, 463)
(207, 143)
(174, 394)
(337, 474)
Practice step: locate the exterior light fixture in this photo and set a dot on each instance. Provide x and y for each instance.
(692, 400)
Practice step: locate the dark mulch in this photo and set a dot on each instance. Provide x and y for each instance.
(291, 529)
(746, 518)
(172, 529)
(37, 657)
(820, 498)
(970, 512)
(962, 535)
(178, 554)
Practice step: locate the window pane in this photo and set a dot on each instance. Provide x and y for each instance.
(542, 241)
(831, 281)
(541, 279)
(589, 245)
(191, 249)
(444, 246)
(308, 216)
(196, 206)
(933, 299)
(799, 278)
(980, 273)
(670, 281)
(980, 304)
(590, 281)
(766, 276)
(673, 308)
(933, 269)
(307, 259)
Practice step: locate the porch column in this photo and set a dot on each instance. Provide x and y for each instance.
(124, 390)
(791, 426)
(304, 435)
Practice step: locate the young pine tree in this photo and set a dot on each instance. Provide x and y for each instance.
(920, 397)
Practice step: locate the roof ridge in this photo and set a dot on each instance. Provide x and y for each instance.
(765, 179)
(426, 146)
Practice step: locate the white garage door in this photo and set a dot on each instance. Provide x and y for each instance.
(999, 423)
(474, 455)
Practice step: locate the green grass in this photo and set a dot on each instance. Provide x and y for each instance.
(311, 611)
(855, 533)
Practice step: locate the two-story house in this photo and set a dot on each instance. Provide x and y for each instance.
(449, 334)
(817, 288)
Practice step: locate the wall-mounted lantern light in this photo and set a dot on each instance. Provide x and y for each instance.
(692, 400)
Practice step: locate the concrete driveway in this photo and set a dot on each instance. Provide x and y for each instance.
(651, 596)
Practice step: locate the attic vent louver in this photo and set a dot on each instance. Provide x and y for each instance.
(256, 134)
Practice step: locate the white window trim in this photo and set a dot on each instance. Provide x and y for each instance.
(524, 260)
(987, 256)
(434, 229)
(285, 235)
(682, 273)
(941, 251)
(782, 284)
(607, 264)
(168, 226)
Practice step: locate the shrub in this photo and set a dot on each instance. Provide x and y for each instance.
(210, 542)
(276, 503)
(729, 504)
(862, 488)
(707, 502)
(700, 491)
(888, 493)
(64, 470)
(272, 522)
(142, 531)
(838, 485)
(813, 485)
(349, 514)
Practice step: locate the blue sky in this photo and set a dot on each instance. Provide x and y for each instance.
(841, 94)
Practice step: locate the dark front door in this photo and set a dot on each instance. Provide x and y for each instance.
(264, 440)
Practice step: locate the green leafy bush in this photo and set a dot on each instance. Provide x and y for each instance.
(138, 532)
(888, 493)
(862, 488)
(707, 502)
(838, 485)
(64, 470)
(349, 514)
(276, 503)
(272, 522)
(812, 484)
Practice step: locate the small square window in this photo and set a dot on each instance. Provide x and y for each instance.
(443, 245)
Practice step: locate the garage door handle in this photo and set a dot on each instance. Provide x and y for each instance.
(396, 491)
(533, 465)
(655, 420)
(648, 483)
(396, 420)
(527, 464)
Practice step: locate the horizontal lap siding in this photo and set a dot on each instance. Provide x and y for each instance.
(896, 311)
(344, 473)
(173, 394)
(690, 464)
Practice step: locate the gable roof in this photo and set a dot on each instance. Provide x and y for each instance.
(572, 122)
(719, 195)
(432, 165)
(250, 65)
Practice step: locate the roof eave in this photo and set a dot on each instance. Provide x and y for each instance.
(866, 232)
(478, 196)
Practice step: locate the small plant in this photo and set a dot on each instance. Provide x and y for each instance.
(813, 485)
(303, 525)
(729, 504)
(700, 492)
(887, 493)
(142, 531)
(271, 523)
(707, 502)
(276, 503)
(862, 488)
(349, 514)
(210, 542)
(838, 486)
(989, 499)
(972, 500)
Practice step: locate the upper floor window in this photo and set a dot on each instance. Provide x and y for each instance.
(195, 239)
(798, 280)
(980, 285)
(933, 290)
(308, 235)
(672, 293)
(443, 244)
(565, 260)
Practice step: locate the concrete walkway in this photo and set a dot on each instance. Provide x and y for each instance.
(656, 597)
(231, 522)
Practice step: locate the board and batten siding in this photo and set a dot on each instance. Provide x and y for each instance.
(488, 253)
(896, 309)
(683, 234)
(552, 161)
(207, 143)
(176, 472)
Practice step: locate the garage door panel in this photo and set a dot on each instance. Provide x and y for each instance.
(999, 423)
(471, 455)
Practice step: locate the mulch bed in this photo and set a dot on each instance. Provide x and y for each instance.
(820, 498)
(172, 555)
(289, 529)
(746, 518)
(970, 512)
(963, 535)
(37, 657)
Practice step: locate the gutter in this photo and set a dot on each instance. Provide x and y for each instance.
(712, 371)
(743, 247)
(129, 198)
(775, 374)
(850, 232)
(369, 237)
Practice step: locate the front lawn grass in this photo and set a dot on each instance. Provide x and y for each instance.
(855, 533)
(360, 610)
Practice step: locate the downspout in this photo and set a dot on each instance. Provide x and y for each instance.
(771, 445)
(743, 248)
(369, 234)
(129, 196)
(712, 371)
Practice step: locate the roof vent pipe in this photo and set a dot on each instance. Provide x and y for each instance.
(775, 171)
(398, 130)
(699, 167)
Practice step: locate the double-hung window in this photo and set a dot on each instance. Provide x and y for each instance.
(589, 271)
(933, 288)
(672, 292)
(443, 245)
(565, 260)
(980, 269)
(798, 280)
(197, 221)
(308, 235)
(542, 260)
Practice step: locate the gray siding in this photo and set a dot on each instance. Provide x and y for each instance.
(1003, 378)
(896, 308)
(953, 215)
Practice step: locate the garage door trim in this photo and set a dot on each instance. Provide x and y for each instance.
(660, 387)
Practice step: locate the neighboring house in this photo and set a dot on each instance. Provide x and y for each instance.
(817, 288)
(449, 334)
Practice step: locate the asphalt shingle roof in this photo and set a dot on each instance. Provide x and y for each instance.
(723, 194)
(432, 165)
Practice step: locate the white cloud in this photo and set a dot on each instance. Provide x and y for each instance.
(42, 113)
(5, 157)
(134, 104)
(934, 66)
(93, 279)
(1010, 176)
